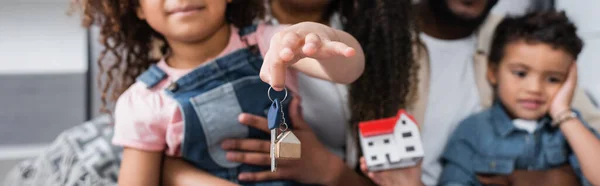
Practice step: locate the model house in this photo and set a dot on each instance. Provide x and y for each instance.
(391, 142)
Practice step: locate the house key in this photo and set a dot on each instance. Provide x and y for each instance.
(275, 119)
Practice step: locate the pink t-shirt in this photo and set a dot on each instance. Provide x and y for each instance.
(150, 120)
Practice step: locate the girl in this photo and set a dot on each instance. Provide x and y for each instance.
(188, 94)
(387, 73)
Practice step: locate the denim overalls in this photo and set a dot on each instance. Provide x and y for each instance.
(210, 99)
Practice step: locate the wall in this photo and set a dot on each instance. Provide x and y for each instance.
(43, 75)
(585, 14)
(511, 7)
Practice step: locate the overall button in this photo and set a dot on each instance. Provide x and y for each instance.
(172, 87)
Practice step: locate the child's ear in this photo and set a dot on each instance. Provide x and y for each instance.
(492, 70)
(140, 13)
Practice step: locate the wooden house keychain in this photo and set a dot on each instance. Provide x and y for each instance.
(284, 145)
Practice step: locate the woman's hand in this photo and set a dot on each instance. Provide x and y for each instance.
(333, 53)
(316, 166)
(410, 176)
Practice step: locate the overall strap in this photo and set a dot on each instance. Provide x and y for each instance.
(152, 76)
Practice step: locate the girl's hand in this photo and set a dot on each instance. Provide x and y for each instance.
(562, 99)
(178, 172)
(296, 42)
(410, 176)
(316, 166)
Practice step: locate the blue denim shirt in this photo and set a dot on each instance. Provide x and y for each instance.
(489, 143)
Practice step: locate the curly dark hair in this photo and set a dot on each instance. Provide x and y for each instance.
(129, 42)
(550, 27)
(385, 30)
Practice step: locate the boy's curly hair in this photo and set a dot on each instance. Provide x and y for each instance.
(550, 27)
(129, 42)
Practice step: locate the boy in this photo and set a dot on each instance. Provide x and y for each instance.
(531, 126)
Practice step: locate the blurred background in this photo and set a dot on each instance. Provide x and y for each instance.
(47, 72)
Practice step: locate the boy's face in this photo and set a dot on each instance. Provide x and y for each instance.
(528, 77)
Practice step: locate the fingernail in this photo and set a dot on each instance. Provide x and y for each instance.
(242, 118)
(243, 176)
(310, 46)
(287, 51)
(227, 144)
(287, 54)
(230, 156)
(349, 51)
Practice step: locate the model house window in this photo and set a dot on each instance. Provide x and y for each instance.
(410, 148)
(373, 157)
(370, 143)
(406, 134)
(386, 141)
(403, 122)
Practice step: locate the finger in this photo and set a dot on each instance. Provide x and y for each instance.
(296, 114)
(290, 42)
(374, 177)
(264, 69)
(570, 83)
(363, 165)
(260, 176)
(253, 158)
(254, 121)
(364, 168)
(277, 72)
(273, 69)
(312, 43)
(338, 48)
(572, 78)
(250, 145)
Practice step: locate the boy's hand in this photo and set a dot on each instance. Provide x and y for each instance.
(496, 180)
(296, 42)
(562, 99)
(410, 176)
(563, 176)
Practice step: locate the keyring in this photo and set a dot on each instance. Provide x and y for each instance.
(284, 128)
(269, 94)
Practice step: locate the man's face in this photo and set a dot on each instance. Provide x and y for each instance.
(304, 5)
(462, 12)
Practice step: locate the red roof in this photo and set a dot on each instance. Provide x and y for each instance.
(377, 127)
(382, 126)
(402, 111)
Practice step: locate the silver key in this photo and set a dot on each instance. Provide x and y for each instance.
(273, 161)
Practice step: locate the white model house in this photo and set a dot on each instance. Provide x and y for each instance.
(391, 142)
